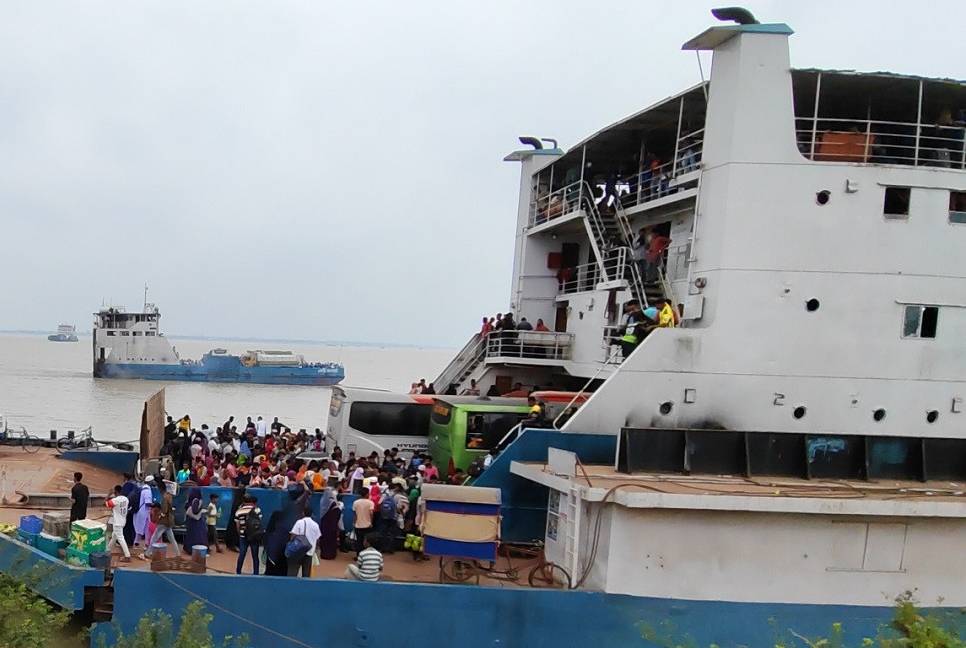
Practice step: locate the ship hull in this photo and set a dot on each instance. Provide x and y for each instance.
(312, 376)
(58, 337)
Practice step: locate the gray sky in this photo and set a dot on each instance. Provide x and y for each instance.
(332, 170)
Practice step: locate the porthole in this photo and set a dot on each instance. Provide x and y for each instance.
(812, 305)
(666, 408)
(879, 414)
(799, 412)
(823, 196)
(932, 416)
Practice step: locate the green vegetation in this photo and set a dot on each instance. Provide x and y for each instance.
(910, 628)
(156, 630)
(26, 620)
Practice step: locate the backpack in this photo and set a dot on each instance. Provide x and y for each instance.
(253, 526)
(387, 508)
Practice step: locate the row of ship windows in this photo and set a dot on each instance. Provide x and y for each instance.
(896, 204)
(919, 321)
(127, 333)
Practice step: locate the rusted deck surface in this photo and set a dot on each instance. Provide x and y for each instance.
(45, 472)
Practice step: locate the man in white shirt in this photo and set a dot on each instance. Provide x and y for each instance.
(118, 505)
(308, 528)
(261, 428)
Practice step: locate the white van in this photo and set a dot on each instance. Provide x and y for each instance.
(367, 420)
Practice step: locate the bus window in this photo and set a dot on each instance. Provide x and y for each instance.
(485, 429)
(390, 419)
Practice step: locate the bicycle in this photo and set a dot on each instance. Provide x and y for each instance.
(83, 440)
(28, 442)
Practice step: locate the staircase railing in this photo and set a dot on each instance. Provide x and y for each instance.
(469, 356)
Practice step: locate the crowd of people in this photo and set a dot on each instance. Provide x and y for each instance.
(385, 488)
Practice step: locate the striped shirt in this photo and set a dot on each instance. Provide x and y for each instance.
(370, 564)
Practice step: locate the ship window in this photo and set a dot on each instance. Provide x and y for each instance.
(135, 333)
(896, 203)
(110, 333)
(149, 332)
(123, 333)
(957, 207)
(920, 321)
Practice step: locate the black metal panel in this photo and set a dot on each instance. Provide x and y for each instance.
(835, 457)
(717, 452)
(945, 459)
(894, 458)
(777, 454)
(651, 450)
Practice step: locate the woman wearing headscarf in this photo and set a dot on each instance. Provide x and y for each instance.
(143, 516)
(329, 514)
(196, 526)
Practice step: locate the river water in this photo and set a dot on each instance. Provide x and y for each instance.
(48, 385)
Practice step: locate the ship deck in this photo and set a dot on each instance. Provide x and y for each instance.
(765, 494)
(45, 472)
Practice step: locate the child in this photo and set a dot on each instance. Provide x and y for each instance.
(212, 522)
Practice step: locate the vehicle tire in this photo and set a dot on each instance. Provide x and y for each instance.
(30, 443)
(455, 571)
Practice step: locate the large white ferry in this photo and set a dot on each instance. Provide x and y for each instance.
(800, 437)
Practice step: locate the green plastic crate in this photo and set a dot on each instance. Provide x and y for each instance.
(78, 558)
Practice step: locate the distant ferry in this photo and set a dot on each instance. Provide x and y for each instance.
(129, 345)
(65, 333)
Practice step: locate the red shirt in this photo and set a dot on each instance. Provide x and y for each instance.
(656, 248)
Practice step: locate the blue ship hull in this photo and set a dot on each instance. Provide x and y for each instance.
(224, 372)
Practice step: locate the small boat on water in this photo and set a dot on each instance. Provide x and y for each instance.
(65, 333)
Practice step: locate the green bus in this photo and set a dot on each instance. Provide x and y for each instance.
(461, 431)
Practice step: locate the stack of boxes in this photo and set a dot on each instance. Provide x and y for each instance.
(53, 539)
(86, 537)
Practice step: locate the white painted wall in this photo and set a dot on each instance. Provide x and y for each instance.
(786, 558)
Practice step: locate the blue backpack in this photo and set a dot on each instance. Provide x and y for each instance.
(387, 508)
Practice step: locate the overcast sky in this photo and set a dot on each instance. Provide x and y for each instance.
(332, 170)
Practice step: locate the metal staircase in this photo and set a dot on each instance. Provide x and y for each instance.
(463, 365)
(612, 240)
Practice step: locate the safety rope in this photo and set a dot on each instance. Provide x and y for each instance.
(224, 610)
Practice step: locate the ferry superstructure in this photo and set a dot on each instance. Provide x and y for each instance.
(807, 417)
(65, 333)
(131, 345)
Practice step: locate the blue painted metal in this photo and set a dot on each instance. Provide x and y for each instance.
(342, 613)
(433, 546)
(525, 503)
(119, 461)
(463, 508)
(49, 577)
(225, 369)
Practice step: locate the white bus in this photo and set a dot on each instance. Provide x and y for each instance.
(372, 420)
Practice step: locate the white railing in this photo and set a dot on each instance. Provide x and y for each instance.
(870, 141)
(537, 345)
(469, 356)
(657, 179)
(580, 278)
(549, 205)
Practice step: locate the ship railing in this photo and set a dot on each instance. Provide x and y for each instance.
(872, 141)
(535, 345)
(658, 181)
(581, 278)
(469, 356)
(547, 206)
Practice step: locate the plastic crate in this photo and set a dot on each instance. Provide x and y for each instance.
(27, 537)
(51, 545)
(78, 558)
(87, 535)
(31, 524)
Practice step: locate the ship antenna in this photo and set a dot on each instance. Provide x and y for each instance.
(145, 297)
